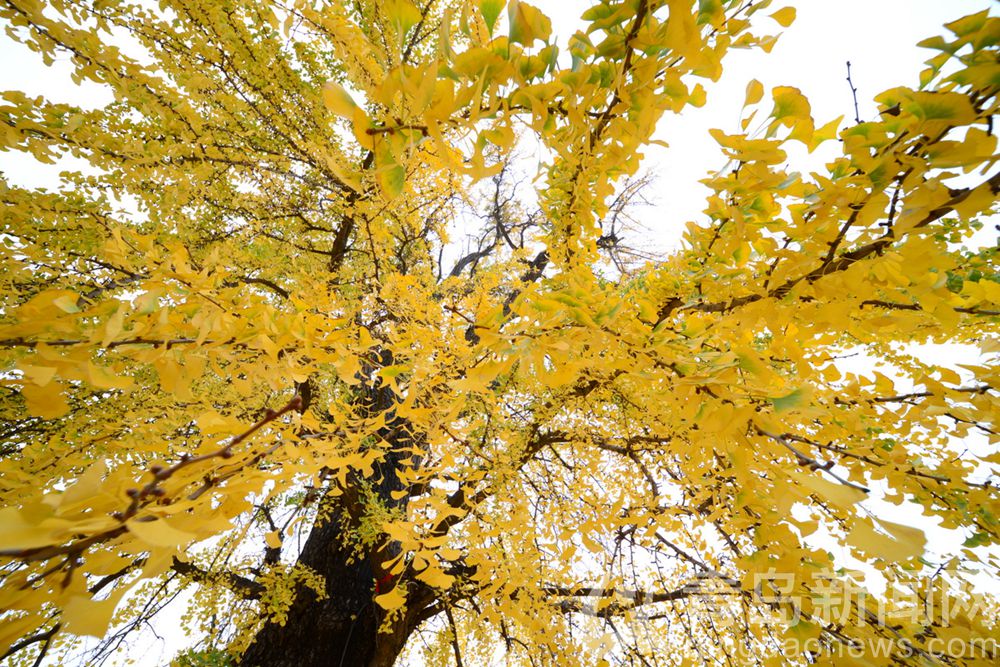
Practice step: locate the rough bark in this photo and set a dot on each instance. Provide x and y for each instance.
(347, 628)
(339, 630)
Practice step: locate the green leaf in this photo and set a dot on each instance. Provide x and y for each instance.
(491, 12)
(391, 179)
(710, 11)
(789, 401)
(67, 303)
(977, 540)
(789, 103)
(955, 108)
(394, 371)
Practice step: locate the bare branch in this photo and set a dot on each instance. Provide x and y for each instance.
(241, 586)
(811, 463)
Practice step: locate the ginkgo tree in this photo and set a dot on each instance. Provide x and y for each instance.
(250, 364)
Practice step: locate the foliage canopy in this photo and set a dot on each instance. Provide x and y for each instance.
(240, 356)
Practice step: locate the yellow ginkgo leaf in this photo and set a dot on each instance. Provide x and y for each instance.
(839, 494)
(910, 541)
(789, 102)
(39, 375)
(83, 615)
(159, 533)
(394, 599)
(46, 402)
(902, 542)
(784, 16)
(755, 91)
(16, 532)
(357, 311)
(338, 100)
(491, 12)
(402, 15)
(17, 627)
(436, 577)
(85, 488)
(527, 23)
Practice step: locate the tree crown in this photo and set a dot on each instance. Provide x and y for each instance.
(251, 321)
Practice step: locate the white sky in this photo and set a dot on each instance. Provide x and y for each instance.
(877, 36)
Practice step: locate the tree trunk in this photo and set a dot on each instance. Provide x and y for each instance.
(343, 630)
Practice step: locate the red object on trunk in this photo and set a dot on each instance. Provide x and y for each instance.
(383, 583)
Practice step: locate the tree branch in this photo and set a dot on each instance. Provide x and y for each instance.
(846, 259)
(245, 588)
(454, 636)
(632, 598)
(809, 462)
(45, 637)
(140, 497)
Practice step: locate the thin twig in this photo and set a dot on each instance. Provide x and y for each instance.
(807, 461)
(854, 94)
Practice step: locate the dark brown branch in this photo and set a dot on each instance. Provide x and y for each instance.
(270, 284)
(339, 249)
(809, 462)
(107, 580)
(45, 637)
(632, 598)
(155, 342)
(640, 17)
(245, 588)
(633, 456)
(454, 636)
(471, 258)
(981, 389)
(891, 305)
